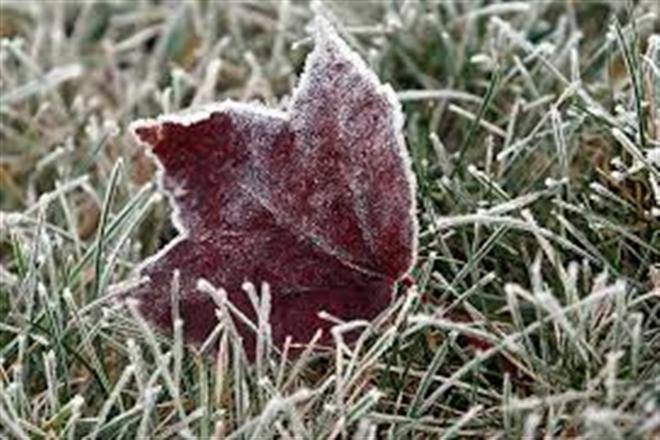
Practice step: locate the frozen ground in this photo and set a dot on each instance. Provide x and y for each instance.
(533, 128)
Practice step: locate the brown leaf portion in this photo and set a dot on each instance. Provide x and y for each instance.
(317, 202)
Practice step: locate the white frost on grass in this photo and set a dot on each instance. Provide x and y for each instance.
(47, 82)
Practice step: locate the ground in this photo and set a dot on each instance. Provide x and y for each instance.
(534, 306)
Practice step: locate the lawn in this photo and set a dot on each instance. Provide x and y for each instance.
(534, 305)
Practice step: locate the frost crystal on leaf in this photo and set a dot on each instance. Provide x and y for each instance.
(318, 202)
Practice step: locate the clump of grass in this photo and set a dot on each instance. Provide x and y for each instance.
(533, 128)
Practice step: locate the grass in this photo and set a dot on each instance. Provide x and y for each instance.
(533, 129)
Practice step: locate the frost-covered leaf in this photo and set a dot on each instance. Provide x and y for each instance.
(317, 202)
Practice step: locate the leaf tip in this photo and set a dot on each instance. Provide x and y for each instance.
(146, 131)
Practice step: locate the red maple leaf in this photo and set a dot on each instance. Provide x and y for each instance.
(318, 202)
